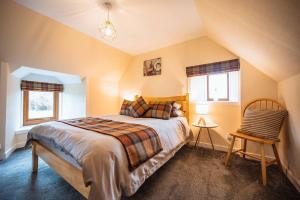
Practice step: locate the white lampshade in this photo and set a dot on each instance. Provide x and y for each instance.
(129, 97)
(202, 108)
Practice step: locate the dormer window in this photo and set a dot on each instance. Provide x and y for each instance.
(40, 102)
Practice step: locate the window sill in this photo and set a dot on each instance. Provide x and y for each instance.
(224, 103)
(23, 130)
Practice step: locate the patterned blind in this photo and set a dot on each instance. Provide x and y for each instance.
(213, 68)
(40, 86)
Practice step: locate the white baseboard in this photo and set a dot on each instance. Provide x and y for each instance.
(208, 146)
(9, 151)
(13, 148)
(289, 174)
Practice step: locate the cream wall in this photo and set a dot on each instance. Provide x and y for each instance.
(175, 58)
(173, 81)
(289, 147)
(30, 39)
(255, 84)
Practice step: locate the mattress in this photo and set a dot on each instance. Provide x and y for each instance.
(64, 155)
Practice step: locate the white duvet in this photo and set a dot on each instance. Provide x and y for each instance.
(103, 159)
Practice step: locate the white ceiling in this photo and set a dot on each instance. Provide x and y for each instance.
(142, 25)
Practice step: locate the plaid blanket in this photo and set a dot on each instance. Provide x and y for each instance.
(140, 142)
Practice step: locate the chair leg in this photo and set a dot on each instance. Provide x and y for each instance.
(245, 147)
(277, 157)
(263, 165)
(229, 151)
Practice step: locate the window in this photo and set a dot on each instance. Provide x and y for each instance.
(39, 106)
(215, 87)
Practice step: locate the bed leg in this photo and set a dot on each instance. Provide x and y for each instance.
(35, 159)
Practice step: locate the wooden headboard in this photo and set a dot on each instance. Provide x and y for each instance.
(183, 100)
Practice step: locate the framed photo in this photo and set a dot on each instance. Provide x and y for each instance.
(152, 67)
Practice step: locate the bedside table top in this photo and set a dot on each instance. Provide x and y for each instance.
(208, 125)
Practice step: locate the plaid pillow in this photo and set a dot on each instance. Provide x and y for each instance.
(159, 111)
(264, 123)
(176, 112)
(125, 108)
(138, 107)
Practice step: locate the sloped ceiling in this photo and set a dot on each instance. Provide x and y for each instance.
(266, 33)
(142, 25)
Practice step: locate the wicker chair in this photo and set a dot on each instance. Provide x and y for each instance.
(260, 104)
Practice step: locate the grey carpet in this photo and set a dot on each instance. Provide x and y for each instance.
(191, 174)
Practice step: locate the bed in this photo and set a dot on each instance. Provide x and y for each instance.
(114, 178)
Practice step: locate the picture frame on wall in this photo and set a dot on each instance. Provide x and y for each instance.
(152, 67)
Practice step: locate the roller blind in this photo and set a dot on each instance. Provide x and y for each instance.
(40, 86)
(213, 68)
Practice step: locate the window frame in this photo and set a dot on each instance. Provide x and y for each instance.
(207, 85)
(27, 121)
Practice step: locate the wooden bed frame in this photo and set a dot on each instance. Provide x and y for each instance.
(72, 174)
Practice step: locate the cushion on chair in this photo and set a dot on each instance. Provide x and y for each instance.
(263, 123)
(138, 107)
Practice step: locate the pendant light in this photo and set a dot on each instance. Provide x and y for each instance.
(107, 29)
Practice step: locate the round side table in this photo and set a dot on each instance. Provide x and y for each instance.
(207, 126)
